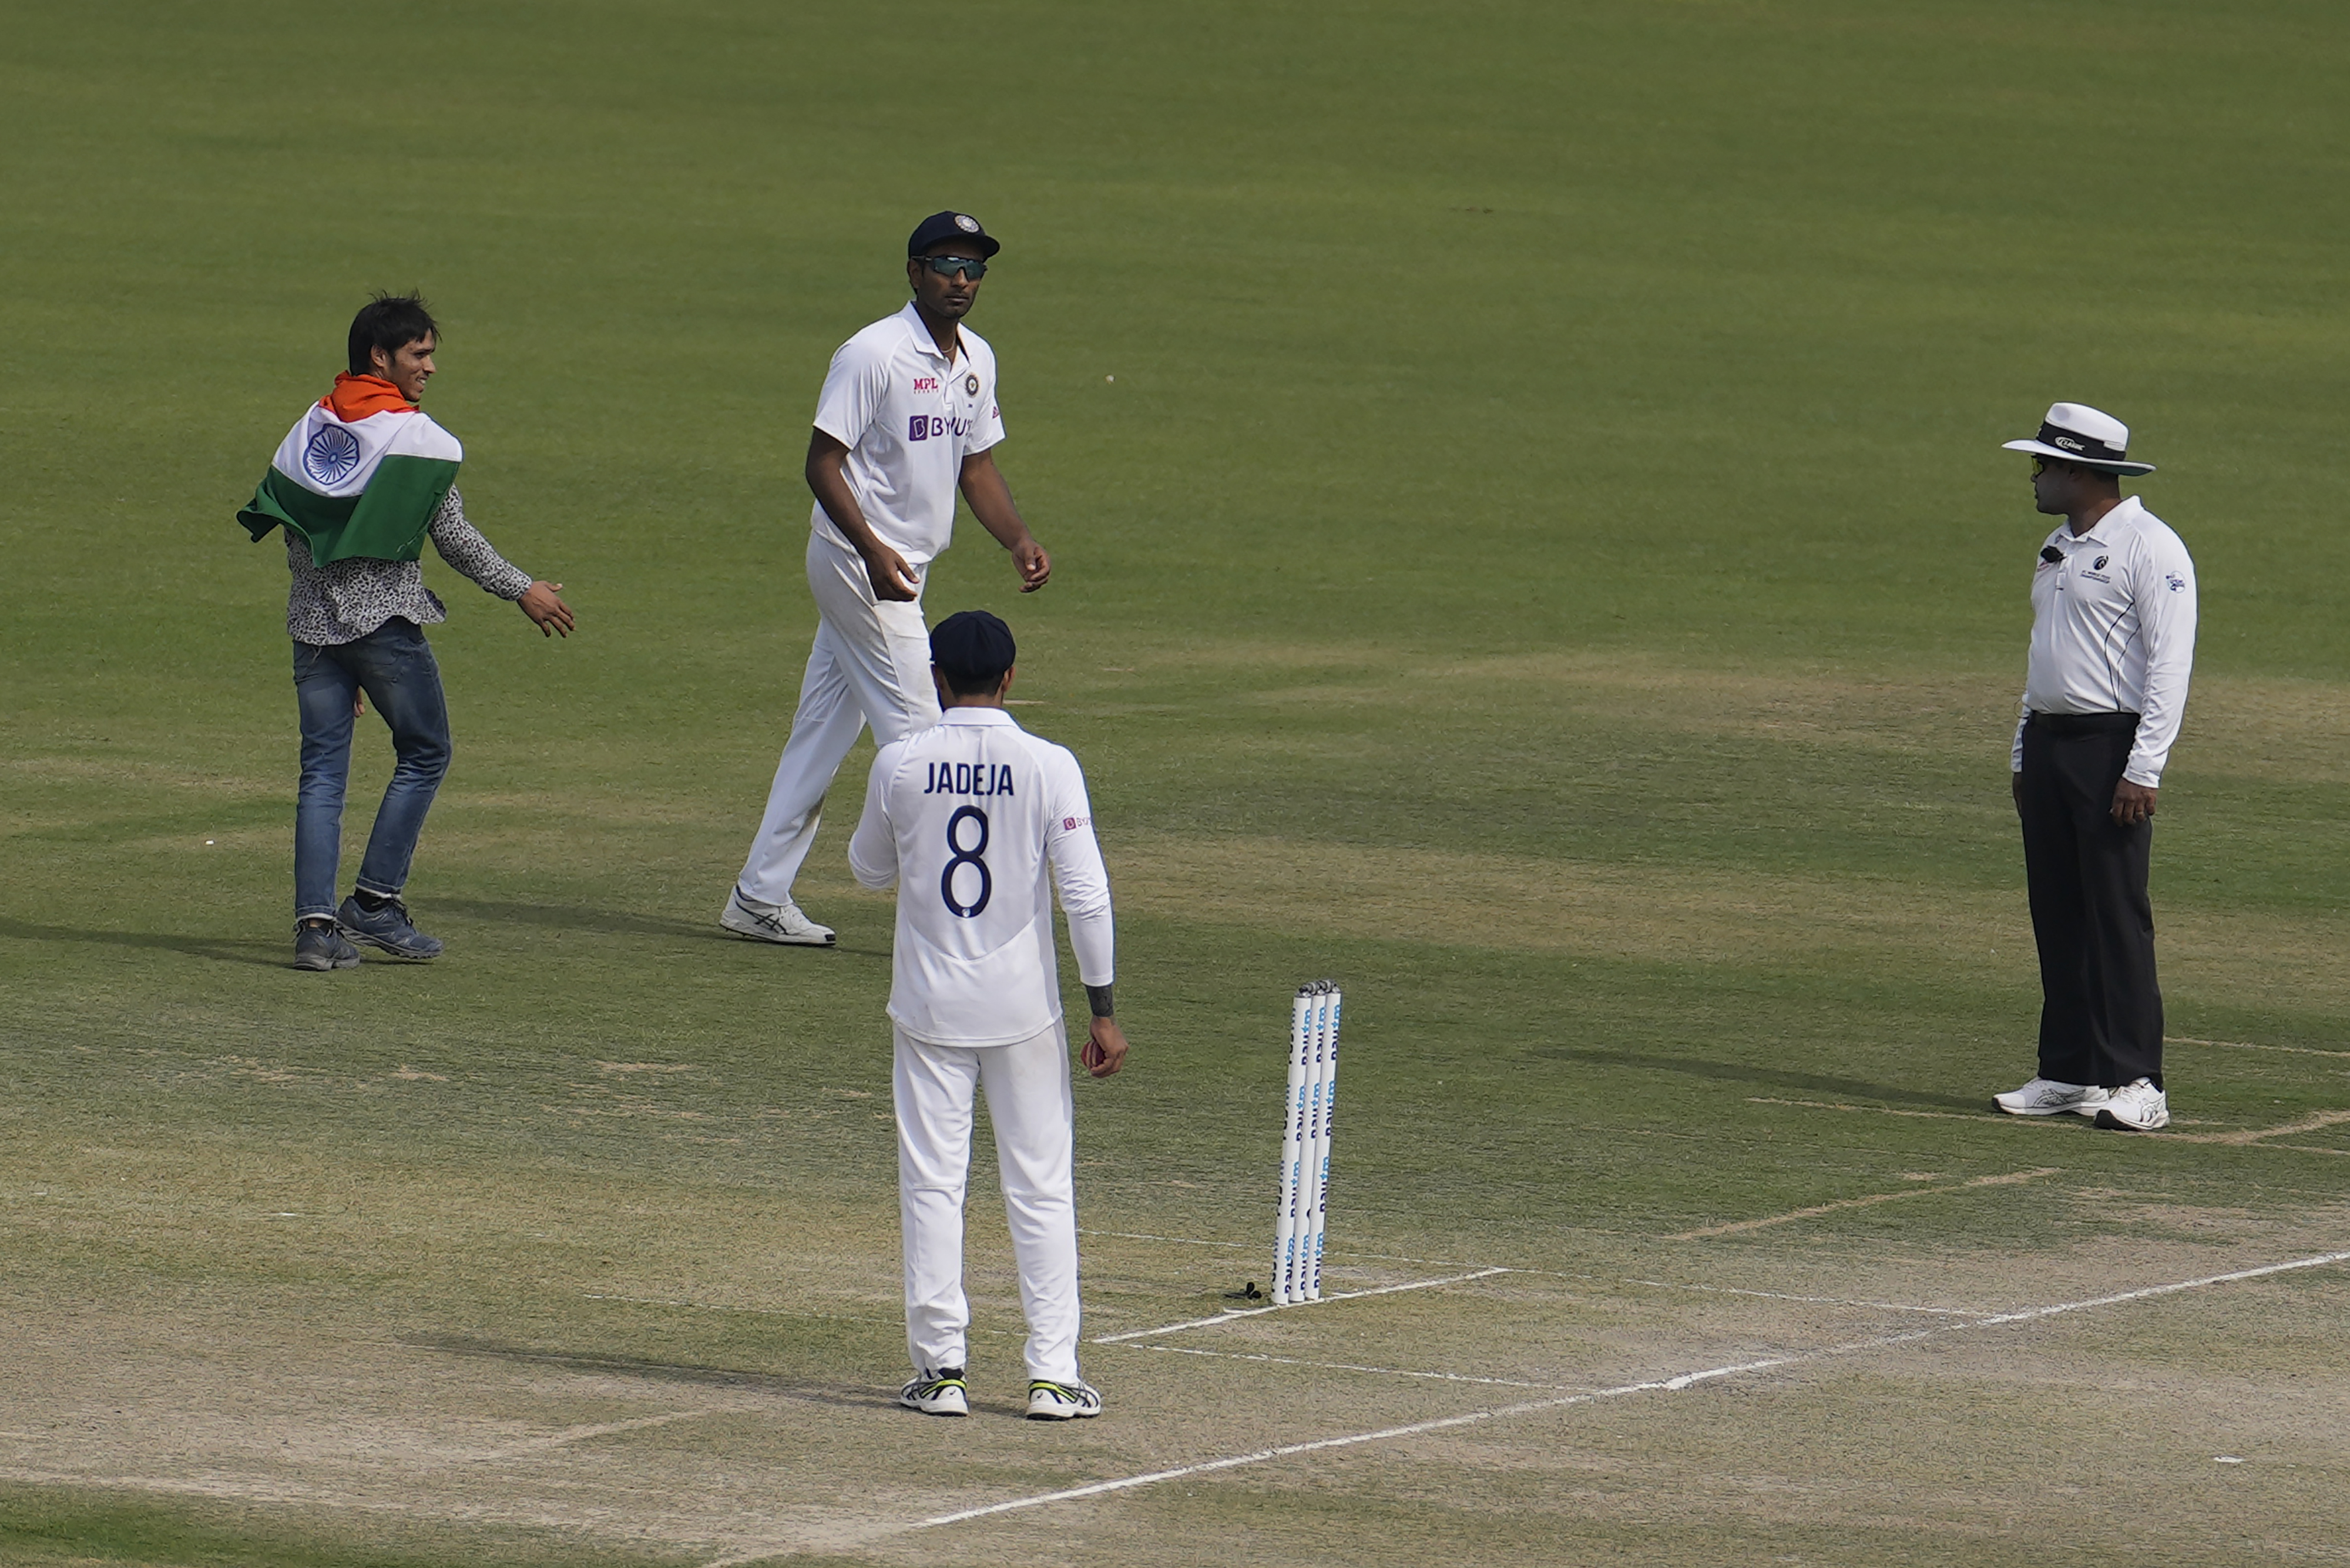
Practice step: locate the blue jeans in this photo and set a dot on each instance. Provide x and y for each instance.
(394, 665)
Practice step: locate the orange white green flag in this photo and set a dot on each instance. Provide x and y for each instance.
(359, 474)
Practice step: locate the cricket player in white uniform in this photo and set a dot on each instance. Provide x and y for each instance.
(966, 818)
(908, 416)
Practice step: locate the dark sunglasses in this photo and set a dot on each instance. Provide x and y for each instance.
(946, 266)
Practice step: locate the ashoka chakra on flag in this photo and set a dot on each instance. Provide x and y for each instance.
(330, 455)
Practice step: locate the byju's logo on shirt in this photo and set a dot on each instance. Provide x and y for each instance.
(925, 426)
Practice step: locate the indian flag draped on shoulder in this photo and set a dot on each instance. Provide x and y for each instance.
(359, 475)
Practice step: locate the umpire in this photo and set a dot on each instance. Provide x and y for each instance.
(2113, 640)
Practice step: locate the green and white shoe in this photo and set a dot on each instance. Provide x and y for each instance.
(940, 1393)
(1050, 1401)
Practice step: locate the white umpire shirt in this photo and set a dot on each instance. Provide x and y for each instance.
(966, 816)
(908, 417)
(2113, 631)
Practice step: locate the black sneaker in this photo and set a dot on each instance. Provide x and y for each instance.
(386, 927)
(318, 946)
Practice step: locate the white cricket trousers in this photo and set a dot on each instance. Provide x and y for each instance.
(1028, 1105)
(870, 665)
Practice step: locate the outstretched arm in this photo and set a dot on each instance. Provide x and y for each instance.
(990, 503)
(461, 545)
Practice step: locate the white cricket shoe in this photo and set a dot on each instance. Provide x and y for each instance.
(2135, 1108)
(940, 1393)
(781, 923)
(1050, 1401)
(2047, 1097)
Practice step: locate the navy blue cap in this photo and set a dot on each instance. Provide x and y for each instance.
(941, 226)
(972, 647)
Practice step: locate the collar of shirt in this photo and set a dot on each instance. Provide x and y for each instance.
(923, 341)
(2106, 530)
(976, 716)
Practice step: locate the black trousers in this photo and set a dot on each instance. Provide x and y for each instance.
(2101, 1011)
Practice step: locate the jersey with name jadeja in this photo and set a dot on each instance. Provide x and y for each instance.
(908, 417)
(969, 818)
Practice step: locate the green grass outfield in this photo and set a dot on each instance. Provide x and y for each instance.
(1530, 541)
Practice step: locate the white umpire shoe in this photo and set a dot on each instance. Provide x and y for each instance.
(1050, 1401)
(940, 1393)
(2047, 1097)
(2135, 1108)
(781, 923)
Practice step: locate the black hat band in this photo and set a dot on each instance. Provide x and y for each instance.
(2089, 448)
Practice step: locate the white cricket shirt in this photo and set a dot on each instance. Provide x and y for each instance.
(2113, 631)
(966, 818)
(909, 418)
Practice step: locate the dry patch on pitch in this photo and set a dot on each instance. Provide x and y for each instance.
(680, 1422)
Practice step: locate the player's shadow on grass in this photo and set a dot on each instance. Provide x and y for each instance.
(1736, 1072)
(270, 954)
(855, 1395)
(615, 922)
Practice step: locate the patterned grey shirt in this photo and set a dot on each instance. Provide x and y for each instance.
(344, 601)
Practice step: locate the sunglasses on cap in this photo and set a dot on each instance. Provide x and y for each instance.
(970, 267)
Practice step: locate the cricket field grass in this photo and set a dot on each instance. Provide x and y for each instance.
(1530, 543)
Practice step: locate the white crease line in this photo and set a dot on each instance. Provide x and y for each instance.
(1670, 1385)
(1867, 1201)
(1325, 1301)
(2029, 1314)
(1664, 1385)
(1345, 1366)
(603, 1429)
(1880, 1110)
(1331, 1253)
(2249, 1046)
(1823, 1301)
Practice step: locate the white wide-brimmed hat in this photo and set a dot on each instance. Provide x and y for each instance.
(2076, 432)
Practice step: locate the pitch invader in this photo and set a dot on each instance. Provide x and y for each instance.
(358, 484)
(908, 416)
(977, 822)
